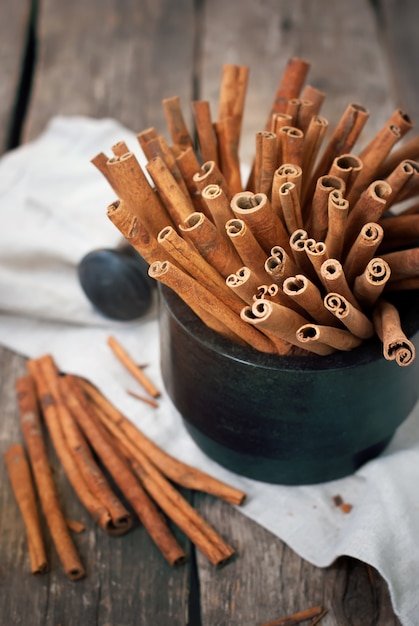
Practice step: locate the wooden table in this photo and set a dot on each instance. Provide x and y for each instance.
(119, 58)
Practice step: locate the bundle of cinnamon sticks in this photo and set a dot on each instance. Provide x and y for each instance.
(300, 257)
(83, 425)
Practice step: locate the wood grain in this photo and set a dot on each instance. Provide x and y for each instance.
(268, 580)
(14, 18)
(112, 58)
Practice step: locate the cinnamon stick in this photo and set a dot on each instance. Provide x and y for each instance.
(116, 519)
(189, 165)
(292, 80)
(24, 491)
(336, 338)
(208, 541)
(334, 279)
(308, 296)
(280, 265)
(197, 297)
(129, 363)
(257, 212)
(313, 141)
(346, 167)
(265, 162)
(315, 96)
(400, 231)
(286, 173)
(228, 153)
(403, 263)
(291, 207)
(232, 96)
(369, 285)
(120, 470)
(218, 205)
(32, 433)
(362, 250)
(205, 130)
(370, 207)
(396, 346)
(176, 470)
(210, 174)
(296, 618)
(244, 283)
(178, 204)
(317, 217)
(247, 246)
(211, 244)
(338, 209)
(176, 123)
(292, 144)
(51, 414)
(354, 320)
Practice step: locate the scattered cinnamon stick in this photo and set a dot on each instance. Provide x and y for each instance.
(24, 491)
(34, 440)
(296, 618)
(132, 367)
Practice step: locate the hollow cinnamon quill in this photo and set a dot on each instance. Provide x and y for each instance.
(396, 346)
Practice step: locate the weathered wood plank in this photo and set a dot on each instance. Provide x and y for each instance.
(14, 16)
(112, 58)
(268, 580)
(339, 39)
(399, 19)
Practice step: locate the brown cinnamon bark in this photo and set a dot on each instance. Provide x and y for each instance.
(334, 279)
(309, 297)
(346, 167)
(338, 209)
(189, 165)
(248, 248)
(51, 414)
(115, 520)
(401, 179)
(176, 123)
(369, 285)
(336, 338)
(317, 215)
(403, 263)
(211, 244)
(257, 212)
(362, 250)
(292, 145)
(189, 259)
(291, 207)
(210, 174)
(179, 472)
(207, 540)
(136, 192)
(24, 491)
(279, 321)
(32, 433)
(370, 207)
(120, 470)
(218, 205)
(408, 150)
(315, 96)
(317, 254)
(228, 151)
(313, 141)
(286, 173)
(399, 231)
(280, 265)
(232, 96)
(244, 283)
(265, 162)
(292, 80)
(129, 363)
(198, 297)
(396, 346)
(354, 320)
(178, 204)
(205, 130)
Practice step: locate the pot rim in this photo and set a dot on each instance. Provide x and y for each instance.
(369, 351)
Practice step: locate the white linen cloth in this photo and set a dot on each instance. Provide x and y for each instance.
(53, 211)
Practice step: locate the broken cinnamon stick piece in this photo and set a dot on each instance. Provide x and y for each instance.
(24, 491)
(132, 367)
(296, 618)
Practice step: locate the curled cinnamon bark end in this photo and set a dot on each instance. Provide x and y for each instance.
(396, 346)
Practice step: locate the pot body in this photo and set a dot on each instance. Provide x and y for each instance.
(285, 420)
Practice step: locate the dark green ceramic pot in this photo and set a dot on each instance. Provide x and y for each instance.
(288, 420)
